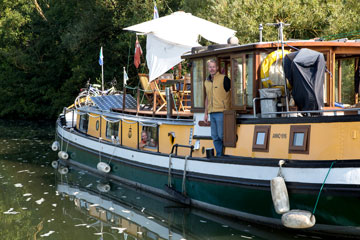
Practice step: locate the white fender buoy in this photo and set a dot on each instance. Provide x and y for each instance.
(55, 146)
(298, 219)
(103, 167)
(279, 195)
(63, 155)
(63, 170)
(55, 164)
(103, 187)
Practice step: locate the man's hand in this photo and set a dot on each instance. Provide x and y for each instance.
(206, 118)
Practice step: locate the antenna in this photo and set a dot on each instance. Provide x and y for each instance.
(280, 26)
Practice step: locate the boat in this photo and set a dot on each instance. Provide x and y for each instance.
(291, 147)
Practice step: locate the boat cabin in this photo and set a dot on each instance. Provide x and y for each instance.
(244, 65)
(160, 114)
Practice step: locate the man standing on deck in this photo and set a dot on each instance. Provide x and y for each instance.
(217, 100)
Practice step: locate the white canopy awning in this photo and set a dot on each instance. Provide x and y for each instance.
(162, 55)
(173, 35)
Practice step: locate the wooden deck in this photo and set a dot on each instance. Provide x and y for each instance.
(150, 113)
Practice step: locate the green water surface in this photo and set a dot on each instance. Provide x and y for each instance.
(36, 202)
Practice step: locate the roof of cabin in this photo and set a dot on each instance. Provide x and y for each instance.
(228, 48)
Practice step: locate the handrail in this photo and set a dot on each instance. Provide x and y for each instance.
(257, 98)
(317, 111)
(308, 111)
(179, 145)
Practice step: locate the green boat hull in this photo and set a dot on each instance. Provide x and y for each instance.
(244, 201)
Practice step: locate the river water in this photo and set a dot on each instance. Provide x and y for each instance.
(36, 202)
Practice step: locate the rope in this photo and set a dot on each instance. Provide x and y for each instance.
(148, 125)
(128, 122)
(132, 88)
(100, 149)
(184, 176)
(113, 154)
(354, 33)
(297, 49)
(112, 121)
(127, 66)
(169, 173)
(62, 139)
(81, 114)
(67, 144)
(317, 200)
(93, 116)
(142, 99)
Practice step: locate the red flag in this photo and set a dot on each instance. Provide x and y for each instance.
(138, 52)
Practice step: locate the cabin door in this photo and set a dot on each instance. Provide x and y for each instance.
(242, 81)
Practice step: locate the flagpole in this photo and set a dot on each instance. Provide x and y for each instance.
(102, 77)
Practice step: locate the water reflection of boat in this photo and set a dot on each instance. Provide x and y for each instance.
(140, 215)
(118, 217)
(308, 149)
(123, 217)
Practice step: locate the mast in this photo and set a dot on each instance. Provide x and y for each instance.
(101, 62)
(280, 26)
(102, 77)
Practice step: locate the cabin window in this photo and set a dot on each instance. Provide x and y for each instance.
(242, 80)
(112, 129)
(149, 137)
(84, 122)
(299, 139)
(249, 58)
(225, 66)
(198, 83)
(326, 87)
(344, 81)
(261, 139)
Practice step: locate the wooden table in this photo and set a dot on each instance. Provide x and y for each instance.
(178, 91)
(169, 82)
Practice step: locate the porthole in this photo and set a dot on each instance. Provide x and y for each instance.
(261, 139)
(299, 141)
(97, 125)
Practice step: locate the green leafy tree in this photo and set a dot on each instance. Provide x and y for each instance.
(49, 49)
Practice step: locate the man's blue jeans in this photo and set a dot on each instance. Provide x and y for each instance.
(217, 125)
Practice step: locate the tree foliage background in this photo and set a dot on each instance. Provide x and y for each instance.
(50, 48)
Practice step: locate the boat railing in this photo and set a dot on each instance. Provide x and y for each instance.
(309, 112)
(260, 99)
(68, 117)
(335, 111)
(176, 146)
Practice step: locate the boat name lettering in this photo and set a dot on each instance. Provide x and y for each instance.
(279, 135)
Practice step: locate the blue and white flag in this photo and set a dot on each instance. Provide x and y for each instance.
(156, 13)
(101, 57)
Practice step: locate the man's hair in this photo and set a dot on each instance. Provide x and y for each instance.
(211, 61)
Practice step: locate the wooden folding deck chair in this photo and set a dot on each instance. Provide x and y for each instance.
(159, 96)
(185, 95)
(152, 92)
(144, 81)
